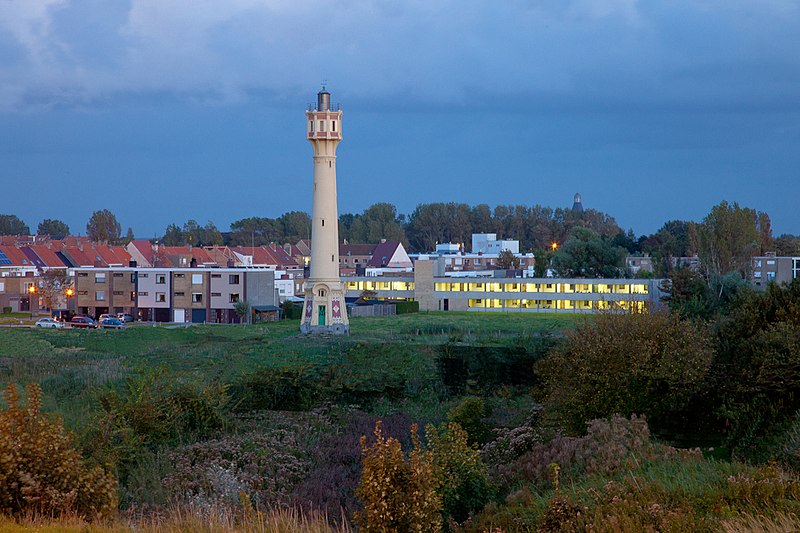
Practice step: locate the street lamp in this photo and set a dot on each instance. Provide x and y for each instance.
(69, 292)
(31, 294)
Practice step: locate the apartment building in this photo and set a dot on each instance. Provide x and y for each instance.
(173, 294)
(772, 268)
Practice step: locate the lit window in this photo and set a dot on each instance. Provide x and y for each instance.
(197, 279)
(234, 297)
(197, 297)
(161, 297)
(100, 295)
(100, 278)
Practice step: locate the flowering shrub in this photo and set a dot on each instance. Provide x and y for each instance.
(398, 493)
(330, 484)
(263, 462)
(609, 445)
(40, 471)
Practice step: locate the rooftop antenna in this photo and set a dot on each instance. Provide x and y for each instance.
(324, 83)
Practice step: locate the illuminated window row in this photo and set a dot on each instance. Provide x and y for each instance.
(572, 305)
(561, 288)
(380, 285)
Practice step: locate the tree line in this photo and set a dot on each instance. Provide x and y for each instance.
(588, 243)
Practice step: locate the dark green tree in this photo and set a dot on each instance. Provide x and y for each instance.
(296, 225)
(173, 236)
(589, 255)
(11, 225)
(103, 227)
(56, 229)
(255, 231)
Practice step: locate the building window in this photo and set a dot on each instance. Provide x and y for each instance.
(83, 274)
(216, 275)
(161, 297)
(118, 293)
(333, 125)
(233, 279)
(100, 295)
(133, 277)
(100, 278)
(197, 297)
(770, 276)
(83, 293)
(118, 274)
(133, 296)
(216, 294)
(143, 275)
(321, 293)
(321, 125)
(179, 293)
(161, 279)
(323, 222)
(143, 293)
(234, 297)
(197, 279)
(311, 126)
(180, 275)
(2, 286)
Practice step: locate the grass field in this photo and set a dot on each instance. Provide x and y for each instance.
(72, 364)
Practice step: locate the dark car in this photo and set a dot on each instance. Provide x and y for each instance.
(125, 317)
(82, 322)
(112, 323)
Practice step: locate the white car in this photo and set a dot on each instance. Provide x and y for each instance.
(49, 323)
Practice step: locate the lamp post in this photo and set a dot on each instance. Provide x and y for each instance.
(69, 292)
(31, 294)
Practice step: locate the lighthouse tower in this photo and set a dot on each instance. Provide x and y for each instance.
(324, 308)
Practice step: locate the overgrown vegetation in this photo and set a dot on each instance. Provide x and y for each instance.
(531, 422)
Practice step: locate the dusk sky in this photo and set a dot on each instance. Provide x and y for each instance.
(163, 110)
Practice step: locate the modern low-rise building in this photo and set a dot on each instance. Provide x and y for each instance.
(438, 290)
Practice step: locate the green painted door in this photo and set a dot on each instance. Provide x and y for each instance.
(321, 315)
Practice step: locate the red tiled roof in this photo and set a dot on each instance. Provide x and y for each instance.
(48, 256)
(16, 256)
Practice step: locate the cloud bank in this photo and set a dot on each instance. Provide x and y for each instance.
(511, 54)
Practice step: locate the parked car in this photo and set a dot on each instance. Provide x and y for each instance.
(104, 316)
(82, 322)
(112, 323)
(125, 317)
(48, 322)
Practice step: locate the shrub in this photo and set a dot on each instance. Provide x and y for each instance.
(649, 364)
(330, 484)
(149, 412)
(398, 493)
(462, 480)
(40, 471)
(469, 414)
(284, 389)
(7, 310)
(402, 307)
(607, 447)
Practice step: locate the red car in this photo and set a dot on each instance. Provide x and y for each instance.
(82, 322)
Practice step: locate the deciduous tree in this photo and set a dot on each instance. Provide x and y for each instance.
(12, 225)
(103, 227)
(56, 229)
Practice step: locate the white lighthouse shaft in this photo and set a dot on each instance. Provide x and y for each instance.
(324, 309)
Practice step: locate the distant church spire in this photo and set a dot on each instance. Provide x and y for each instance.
(577, 206)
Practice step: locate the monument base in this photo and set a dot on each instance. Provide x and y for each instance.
(331, 329)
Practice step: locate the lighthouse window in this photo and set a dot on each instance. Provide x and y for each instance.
(321, 125)
(321, 293)
(311, 125)
(333, 126)
(323, 222)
